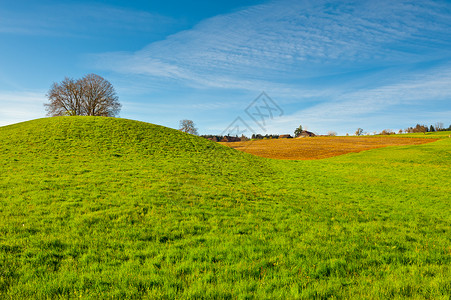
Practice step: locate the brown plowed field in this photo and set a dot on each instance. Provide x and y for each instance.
(319, 147)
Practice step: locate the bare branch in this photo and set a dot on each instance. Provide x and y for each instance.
(188, 127)
(91, 95)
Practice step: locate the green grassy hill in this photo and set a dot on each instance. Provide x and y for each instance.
(107, 207)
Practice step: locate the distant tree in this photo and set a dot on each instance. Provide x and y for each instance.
(214, 138)
(298, 131)
(400, 131)
(359, 131)
(417, 128)
(91, 95)
(431, 129)
(439, 126)
(188, 127)
(420, 128)
(332, 133)
(386, 132)
(244, 138)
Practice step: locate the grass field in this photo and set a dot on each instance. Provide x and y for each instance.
(320, 147)
(111, 208)
(431, 135)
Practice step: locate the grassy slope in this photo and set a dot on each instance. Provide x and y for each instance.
(111, 207)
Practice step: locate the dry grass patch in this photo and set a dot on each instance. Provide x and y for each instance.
(319, 147)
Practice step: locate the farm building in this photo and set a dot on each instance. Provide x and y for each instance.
(306, 133)
(230, 139)
(285, 136)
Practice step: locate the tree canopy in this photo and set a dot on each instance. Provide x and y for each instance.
(91, 95)
(359, 131)
(298, 131)
(188, 126)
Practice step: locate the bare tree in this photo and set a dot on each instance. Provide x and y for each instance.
(332, 133)
(188, 126)
(65, 98)
(439, 126)
(359, 131)
(386, 132)
(91, 95)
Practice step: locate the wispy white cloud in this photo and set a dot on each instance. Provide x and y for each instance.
(336, 64)
(285, 41)
(81, 20)
(421, 98)
(21, 106)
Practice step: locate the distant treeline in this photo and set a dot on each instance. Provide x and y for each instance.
(305, 133)
(425, 128)
(229, 138)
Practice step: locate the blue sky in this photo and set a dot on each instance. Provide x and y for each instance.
(328, 65)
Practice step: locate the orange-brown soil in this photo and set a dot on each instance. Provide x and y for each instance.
(319, 147)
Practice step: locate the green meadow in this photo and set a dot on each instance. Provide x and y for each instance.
(94, 207)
